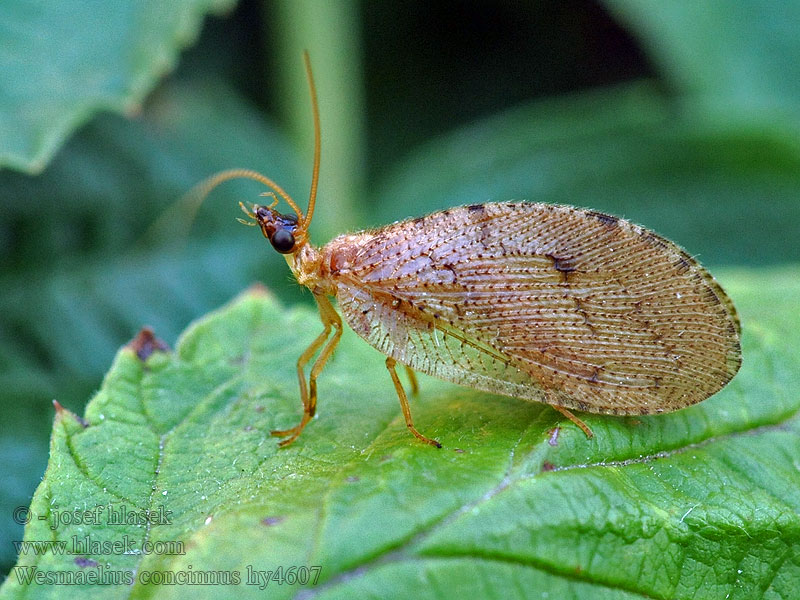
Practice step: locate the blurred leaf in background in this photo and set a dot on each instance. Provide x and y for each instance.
(64, 62)
(682, 116)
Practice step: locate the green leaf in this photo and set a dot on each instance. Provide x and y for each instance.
(739, 56)
(79, 274)
(701, 503)
(62, 62)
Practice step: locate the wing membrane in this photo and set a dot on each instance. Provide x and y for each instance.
(542, 302)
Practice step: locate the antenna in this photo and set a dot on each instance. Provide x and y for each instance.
(204, 188)
(196, 196)
(192, 200)
(317, 143)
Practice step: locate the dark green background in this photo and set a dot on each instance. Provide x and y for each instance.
(679, 117)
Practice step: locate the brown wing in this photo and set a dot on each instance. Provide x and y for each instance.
(541, 302)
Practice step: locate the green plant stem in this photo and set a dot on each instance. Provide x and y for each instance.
(329, 31)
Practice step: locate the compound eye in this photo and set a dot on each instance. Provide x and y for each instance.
(283, 241)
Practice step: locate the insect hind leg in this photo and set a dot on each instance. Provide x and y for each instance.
(401, 394)
(575, 420)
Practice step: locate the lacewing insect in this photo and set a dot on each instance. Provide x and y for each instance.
(572, 307)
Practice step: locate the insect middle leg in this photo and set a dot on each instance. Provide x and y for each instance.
(401, 394)
(308, 394)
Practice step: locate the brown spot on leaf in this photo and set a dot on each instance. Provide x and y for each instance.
(270, 521)
(145, 343)
(547, 466)
(61, 412)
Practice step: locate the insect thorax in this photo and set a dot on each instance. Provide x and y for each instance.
(307, 266)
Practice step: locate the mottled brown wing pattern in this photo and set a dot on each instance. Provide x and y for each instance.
(542, 302)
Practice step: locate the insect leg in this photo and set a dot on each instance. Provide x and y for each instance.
(401, 394)
(333, 319)
(412, 379)
(575, 420)
(329, 319)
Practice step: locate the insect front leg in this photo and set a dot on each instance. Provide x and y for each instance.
(330, 320)
(401, 394)
(333, 319)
